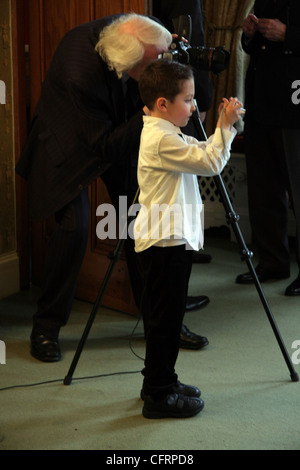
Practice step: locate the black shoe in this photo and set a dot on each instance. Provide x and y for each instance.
(262, 274)
(189, 340)
(201, 258)
(186, 390)
(173, 405)
(195, 303)
(44, 348)
(294, 288)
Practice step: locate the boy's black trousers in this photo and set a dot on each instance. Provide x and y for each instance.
(166, 272)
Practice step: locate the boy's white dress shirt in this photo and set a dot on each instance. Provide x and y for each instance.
(170, 200)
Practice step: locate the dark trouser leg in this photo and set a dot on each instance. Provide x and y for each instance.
(116, 187)
(267, 195)
(166, 272)
(134, 270)
(291, 142)
(64, 256)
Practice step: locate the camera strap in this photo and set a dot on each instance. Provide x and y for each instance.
(183, 26)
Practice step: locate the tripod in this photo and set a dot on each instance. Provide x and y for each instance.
(246, 255)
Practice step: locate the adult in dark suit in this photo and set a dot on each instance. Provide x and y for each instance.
(87, 123)
(272, 134)
(167, 11)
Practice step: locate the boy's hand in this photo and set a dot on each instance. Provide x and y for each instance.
(231, 110)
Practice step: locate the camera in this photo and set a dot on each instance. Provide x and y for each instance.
(215, 59)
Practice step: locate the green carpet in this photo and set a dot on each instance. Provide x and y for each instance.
(250, 401)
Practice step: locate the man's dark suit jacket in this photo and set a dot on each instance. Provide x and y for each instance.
(79, 128)
(166, 11)
(274, 67)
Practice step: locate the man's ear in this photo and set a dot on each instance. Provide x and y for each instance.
(161, 104)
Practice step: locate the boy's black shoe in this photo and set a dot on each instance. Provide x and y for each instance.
(183, 389)
(173, 405)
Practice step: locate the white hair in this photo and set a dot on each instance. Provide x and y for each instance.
(122, 43)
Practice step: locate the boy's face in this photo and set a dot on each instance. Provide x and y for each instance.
(182, 108)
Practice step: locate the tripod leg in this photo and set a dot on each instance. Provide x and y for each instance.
(68, 378)
(114, 259)
(246, 255)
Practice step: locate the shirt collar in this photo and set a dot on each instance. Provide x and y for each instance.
(162, 124)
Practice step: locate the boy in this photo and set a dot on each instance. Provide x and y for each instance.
(167, 169)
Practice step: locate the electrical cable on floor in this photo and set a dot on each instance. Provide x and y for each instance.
(130, 340)
(61, 380)
(10, 387)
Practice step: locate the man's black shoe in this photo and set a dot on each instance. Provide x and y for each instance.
(189, 340)
(173, 405)
(180, 388)
(262, 274)
(195, 303)
(294, 288)
(44, 348)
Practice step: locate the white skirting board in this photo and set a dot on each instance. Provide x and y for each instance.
(9, 274)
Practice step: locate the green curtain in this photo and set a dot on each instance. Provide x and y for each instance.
(223, 20)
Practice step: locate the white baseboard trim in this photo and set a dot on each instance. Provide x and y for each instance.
(9, 274)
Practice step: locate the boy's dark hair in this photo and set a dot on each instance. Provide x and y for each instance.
(162, 78)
